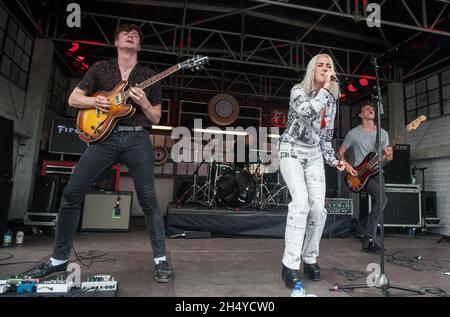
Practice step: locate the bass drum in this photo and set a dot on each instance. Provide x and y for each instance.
(236, 188)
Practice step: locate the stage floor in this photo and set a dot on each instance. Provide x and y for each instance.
(237, 267)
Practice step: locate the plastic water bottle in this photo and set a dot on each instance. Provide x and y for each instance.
(7, 239)
(298, 290)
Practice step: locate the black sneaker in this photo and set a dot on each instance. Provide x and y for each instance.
(370, 246)
(44, 269)
(163, 272)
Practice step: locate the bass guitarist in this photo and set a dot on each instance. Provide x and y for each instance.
(363, 139)
(129, 143)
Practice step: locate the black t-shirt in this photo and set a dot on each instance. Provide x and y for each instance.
(105, 75)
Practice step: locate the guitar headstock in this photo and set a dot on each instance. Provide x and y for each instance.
(415, 124)
(195, 63)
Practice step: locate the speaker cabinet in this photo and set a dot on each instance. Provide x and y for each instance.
(404, 207)
(6, 149)
(5, 198)
(46, 191)
(6, 170)
(429, 204)
(107, 211)
(331, 180)
(398, 171)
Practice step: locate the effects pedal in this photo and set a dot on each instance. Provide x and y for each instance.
(59, 285)
(99, 283)
(3, 286)
(27, 286)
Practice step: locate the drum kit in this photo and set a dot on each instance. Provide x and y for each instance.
(255, 185)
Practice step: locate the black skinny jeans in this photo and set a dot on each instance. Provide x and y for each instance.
(375, 214)
(131, 148)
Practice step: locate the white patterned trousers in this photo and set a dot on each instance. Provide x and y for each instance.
(303, 171)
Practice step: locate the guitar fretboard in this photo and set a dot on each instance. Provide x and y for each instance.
(152, 80)
(396, 140)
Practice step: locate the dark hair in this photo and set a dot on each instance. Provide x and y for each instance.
(128, 27)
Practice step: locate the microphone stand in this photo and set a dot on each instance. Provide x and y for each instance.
(382, 282)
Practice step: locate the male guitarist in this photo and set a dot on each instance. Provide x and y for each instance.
(128, 143)
(363, 139)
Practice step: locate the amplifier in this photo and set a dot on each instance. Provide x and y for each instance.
(404, 208)
(339, 206)
(398, 171)
(107, 211)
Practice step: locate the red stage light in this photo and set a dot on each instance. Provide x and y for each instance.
(342, 95)
(363, 82)
(75, 47)
(351, 88)
(80, 58)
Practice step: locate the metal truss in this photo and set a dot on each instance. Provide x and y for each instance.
(269, 61)
(266, 54)
(210, 80)
(360, 14)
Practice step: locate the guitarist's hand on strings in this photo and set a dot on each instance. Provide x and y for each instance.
(101, 103)
(389, 153)
(138, 96)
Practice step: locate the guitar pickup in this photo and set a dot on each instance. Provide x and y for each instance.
(118, 99)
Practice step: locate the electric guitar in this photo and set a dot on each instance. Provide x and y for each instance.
(369, 166)
(94, 125)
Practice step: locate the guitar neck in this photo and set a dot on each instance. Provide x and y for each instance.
(395, 141)
(153, 79)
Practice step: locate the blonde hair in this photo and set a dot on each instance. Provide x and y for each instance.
(308, 81)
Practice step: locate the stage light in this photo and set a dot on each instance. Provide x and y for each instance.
(75, 47)
(363, 82)
(342, 95)
(351, 88)
(218, 131)
(161, 127)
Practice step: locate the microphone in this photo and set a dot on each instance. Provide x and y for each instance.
(334, 78)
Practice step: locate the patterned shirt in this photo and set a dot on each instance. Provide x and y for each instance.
(311, 121)
(104, 75)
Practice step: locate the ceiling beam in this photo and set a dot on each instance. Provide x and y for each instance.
(260, 15)
(352, 17)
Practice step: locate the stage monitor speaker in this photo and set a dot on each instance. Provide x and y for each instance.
(398, 171)
(45, 197)
(107, 211)
(403, 208)
(5, 198)
(429, 204)
(6, 149)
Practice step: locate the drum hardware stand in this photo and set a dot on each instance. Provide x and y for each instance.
(280, 192)
(262, 190)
